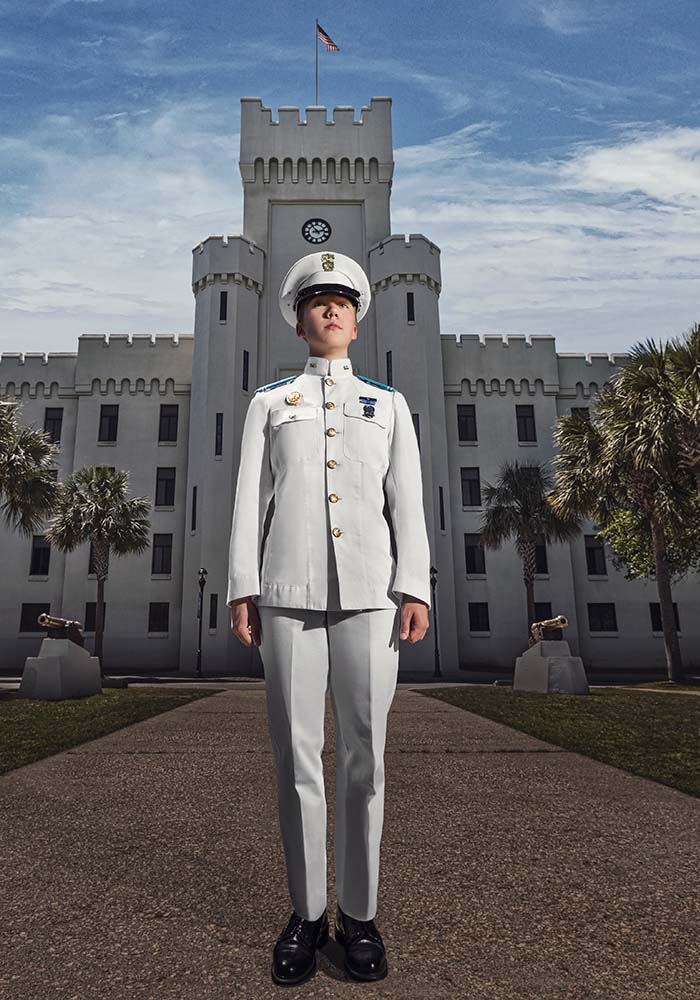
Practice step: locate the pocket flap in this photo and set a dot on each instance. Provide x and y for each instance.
(290, 414)
(357, 409)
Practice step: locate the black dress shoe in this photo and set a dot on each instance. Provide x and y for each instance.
(365, 957)
(294, 955)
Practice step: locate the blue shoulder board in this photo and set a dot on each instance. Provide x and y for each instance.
(271, 385)
(373, 382)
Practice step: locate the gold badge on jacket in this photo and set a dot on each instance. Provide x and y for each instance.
(294, 397)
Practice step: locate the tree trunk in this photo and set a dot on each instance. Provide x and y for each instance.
(101, 556)
(529, 567)
(674, 663)
(99, 619)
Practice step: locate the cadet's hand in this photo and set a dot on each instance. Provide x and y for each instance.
(414, 619)
(245, 621)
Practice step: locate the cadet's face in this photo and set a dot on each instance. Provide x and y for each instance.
(327, 324)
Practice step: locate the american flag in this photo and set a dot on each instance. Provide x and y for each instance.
(325, 37)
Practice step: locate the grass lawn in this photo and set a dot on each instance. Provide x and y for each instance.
(31, 729)
(649, 734)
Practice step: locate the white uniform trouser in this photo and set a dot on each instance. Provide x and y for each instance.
(358, 652)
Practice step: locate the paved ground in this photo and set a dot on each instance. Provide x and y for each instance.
(148, 864)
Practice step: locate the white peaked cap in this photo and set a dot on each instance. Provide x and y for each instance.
(323, 272)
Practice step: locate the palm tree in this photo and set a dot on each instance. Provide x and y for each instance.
(684, 367)
(604, 466)
(516, 507)
(28, 490)
(93, 506)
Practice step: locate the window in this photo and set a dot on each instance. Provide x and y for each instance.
(601, 618)
(165, 486)
(194, 509)
(28, 617)
(416, 427)
(223, 306)
(246, 366)
(581, 411)
(543, 611)
(218, 433)
(53, 422)
(655, 612)
(213, 609)
(41, 554)
(478, 616)
(389, 369)
(109, 418)
(471, 487)
(466, 421)
(595, 556)
(441, 500)
(525, 419)
(91, 616)
(158, 616)
(410, 308)
(167, 429)
(162, 553)
(474, 554)
(541, 565)
(91, 560)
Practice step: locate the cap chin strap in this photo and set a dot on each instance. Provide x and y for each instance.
(311, 290)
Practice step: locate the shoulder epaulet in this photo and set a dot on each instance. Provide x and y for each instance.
(374, 382)
(271, 385)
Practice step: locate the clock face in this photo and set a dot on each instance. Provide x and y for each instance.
(316, 230)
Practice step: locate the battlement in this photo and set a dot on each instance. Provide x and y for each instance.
(228, 258)
(406, 258)
(293, 149)
(495, 363)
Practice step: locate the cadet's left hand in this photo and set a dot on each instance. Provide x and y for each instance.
(414, 619)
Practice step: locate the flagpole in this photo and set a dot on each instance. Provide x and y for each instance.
(316, 45)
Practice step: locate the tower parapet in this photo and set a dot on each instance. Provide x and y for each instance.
(232, 258)
(296, 150)
(405, 258)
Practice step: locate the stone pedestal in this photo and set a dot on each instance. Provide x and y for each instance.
(548, 667)
(61, 670)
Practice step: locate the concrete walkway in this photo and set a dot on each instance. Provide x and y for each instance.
(148, 864)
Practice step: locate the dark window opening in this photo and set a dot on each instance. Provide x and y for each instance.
(478, 616)
(109, 419)
(91, 616)
(602, 618)
(525, 418)
(28, 617)
(246, 360)
(167, 428)
(595, 555)
(474, 554)
(213, 609)
(410, 308)
(219, 434)
(655, 612)
(466, 421)
(158, 616)
(53, 422)
(223, 305)
(165, 486)
(162, 553)
(41, 555)
(389, 369)
(471, 487)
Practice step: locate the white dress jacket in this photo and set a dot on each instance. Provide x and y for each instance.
(329, 462)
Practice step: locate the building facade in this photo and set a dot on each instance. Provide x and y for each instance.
(171, 411)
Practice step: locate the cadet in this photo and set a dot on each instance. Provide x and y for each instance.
(324, 598)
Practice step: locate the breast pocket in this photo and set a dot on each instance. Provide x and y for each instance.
(365, 438)
(296, 434)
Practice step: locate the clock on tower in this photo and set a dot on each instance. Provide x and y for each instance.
(316, 230)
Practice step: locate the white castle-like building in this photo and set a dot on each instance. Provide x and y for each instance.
(171, 411)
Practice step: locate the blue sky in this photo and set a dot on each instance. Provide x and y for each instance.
(551, 148)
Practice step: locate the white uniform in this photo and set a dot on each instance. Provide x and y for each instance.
(329, 449)
(330, 467)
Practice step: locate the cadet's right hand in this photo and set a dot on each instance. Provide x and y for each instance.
(245, 621)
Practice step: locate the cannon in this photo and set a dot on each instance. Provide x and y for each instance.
(62, 628)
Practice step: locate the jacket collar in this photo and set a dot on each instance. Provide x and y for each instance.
(337, 367)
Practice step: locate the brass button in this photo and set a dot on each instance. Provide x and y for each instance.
(330, 405)
(331, 463)
(337, 532)
(331, 432)
(333, 497)
(329, 381)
